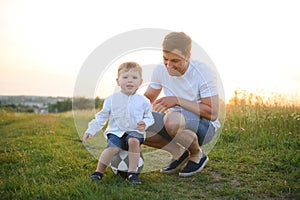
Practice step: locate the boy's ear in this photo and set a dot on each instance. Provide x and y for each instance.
(117, 80)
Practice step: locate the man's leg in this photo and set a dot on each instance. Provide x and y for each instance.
(158, 137)
(175, 124)
(159, 142)
(176, 128)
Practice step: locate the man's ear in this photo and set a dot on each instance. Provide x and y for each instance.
(188, 56)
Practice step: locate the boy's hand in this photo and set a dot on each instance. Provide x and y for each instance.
(141, 126)
(85, 137)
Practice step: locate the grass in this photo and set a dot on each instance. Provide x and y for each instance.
(256, 157)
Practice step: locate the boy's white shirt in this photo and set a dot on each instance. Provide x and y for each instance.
(123, 113)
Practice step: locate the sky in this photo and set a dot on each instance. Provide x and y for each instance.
(254, 45)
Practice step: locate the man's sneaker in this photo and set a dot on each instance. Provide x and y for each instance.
(192, 168)
(175, 165)
(133, 178)
(96, 176)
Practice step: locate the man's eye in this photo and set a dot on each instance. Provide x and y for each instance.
(175, 61)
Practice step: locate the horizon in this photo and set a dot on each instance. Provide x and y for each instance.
(271, 99)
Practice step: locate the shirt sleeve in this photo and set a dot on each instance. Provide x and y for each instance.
(155, 82)
(209, 87)
(148, 117)
(100, 119)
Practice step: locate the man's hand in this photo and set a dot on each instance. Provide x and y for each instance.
(141, 126)
(164, 103)
(85, 137)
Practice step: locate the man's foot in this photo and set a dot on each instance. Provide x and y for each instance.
(96, 176)
(133, 178)
(175, 165)
(192, 168)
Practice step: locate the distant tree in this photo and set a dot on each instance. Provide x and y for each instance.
(60, 106)
(9, 107)
(81, 103)
(63, 106)
(23, 108)
(98, 103)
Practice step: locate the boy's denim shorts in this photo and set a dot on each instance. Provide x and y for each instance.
(122, 143)
(201, 126)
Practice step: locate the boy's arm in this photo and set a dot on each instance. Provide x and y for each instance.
(141, 126)
(98, 122)
(85, 137)
(148, 117)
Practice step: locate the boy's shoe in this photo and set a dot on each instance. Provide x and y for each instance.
(96, 176)
(133, 178)
(192, 168)
(175, 165)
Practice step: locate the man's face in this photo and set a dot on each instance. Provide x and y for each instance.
(175, 62)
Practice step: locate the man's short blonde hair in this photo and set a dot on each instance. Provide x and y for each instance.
(177, 40)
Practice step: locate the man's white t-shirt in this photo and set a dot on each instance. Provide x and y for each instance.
(199, 81)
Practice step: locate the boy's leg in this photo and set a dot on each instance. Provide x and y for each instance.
(134, 141)
(134, 150)
(106, 157)
(114, 144)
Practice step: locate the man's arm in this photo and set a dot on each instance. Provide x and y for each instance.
(208, 108)
(152, 94)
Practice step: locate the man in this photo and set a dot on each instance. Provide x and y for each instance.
(188, 114)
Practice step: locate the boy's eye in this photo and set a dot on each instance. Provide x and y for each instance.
(134, 77)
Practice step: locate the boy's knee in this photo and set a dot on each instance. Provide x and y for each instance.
(113, 149)
(133, 141)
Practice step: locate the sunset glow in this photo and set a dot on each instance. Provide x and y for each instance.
(254, 45)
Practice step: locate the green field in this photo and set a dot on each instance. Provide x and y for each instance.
(256, 157)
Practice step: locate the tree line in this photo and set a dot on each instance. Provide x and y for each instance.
(78, 103)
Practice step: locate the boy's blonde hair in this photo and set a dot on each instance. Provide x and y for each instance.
(128, 66)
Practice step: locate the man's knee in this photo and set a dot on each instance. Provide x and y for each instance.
(173, 122)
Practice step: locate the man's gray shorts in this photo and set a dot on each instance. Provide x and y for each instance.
(202, 127)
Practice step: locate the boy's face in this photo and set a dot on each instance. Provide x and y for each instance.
(129, 81)
(175, 62)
